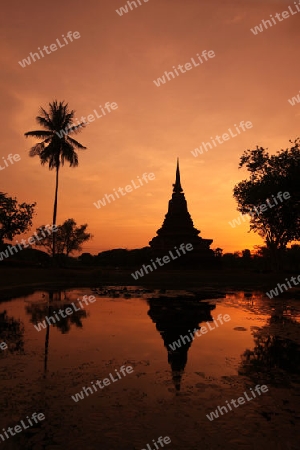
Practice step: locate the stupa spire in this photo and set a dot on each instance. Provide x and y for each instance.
(177, 186)
(178, 228)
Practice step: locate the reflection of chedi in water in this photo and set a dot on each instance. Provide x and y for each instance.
(178, 228)
(174, 317)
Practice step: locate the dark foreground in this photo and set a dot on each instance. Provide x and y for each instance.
(21, 281)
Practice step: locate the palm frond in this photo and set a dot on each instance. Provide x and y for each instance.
(39, 133)
(67, 119)
(68, 153)
(50, 155)
(75, 143)
(76, 128)
(45, 114)
(37, 149)
(44, 122)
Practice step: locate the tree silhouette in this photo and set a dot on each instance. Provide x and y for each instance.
(275, 219)
(57, 145)
(69, 238)
(15, 218)
(218, 252)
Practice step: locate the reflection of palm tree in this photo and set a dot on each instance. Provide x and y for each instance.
(46, 348)
(55, 150)
(174, 317)
(39, 311)
(11, 332)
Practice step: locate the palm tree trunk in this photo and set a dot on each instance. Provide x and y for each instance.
(55, 212)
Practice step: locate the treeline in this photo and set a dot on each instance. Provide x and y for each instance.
(262, 260)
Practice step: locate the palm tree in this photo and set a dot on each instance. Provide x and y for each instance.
(57, 145)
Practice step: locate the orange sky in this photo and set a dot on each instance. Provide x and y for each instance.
(116, 59)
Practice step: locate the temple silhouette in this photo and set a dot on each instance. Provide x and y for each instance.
(178, 228)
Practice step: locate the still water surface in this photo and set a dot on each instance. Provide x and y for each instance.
(169, 393)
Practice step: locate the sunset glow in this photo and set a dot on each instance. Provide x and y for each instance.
(114, 61)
